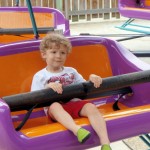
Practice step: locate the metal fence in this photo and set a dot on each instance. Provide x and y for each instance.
(76, 10)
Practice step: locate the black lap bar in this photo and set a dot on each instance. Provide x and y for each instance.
(82, 90)
(18, 31)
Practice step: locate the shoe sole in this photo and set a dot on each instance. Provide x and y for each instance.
(86, 138)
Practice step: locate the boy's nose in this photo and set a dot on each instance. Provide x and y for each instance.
(58, 54)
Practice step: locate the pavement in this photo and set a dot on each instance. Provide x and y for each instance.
(109, 30)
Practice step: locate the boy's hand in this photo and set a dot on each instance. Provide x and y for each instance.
(96, 80)
(57, 87)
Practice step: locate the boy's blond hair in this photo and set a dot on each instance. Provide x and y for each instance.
(56, 38)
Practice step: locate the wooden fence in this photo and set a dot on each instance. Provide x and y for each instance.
(76, 10)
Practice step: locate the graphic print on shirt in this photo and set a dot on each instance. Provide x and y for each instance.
(64, 79)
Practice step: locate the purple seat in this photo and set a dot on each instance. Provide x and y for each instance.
(139, 9)
(135, 9)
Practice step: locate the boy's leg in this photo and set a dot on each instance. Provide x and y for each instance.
(98, 123)
(57, 112)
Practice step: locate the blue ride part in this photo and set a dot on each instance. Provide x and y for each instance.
(32, 19)
(17, 3)
(129, 26)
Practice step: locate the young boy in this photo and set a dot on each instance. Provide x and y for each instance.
(54, 50)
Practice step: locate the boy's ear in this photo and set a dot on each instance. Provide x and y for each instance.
(43, 55)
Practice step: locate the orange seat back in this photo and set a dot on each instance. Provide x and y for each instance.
(18, 69)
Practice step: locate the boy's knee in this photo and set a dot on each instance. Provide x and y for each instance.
(54, 106)
(90, 108)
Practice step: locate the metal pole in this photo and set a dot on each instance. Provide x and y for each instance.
(32, 19)
(66, 11)
(59, 5)
(17, 3)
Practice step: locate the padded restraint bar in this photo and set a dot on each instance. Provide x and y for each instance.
(82, 90)
(24, 31)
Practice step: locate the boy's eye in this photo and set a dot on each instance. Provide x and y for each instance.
(63, 52)
(53, 52)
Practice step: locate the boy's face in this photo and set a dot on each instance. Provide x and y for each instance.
(55, 57)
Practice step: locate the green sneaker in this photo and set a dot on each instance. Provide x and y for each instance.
(106, 147)
(83, 135)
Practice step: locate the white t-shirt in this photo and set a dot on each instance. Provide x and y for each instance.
(67, 76)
